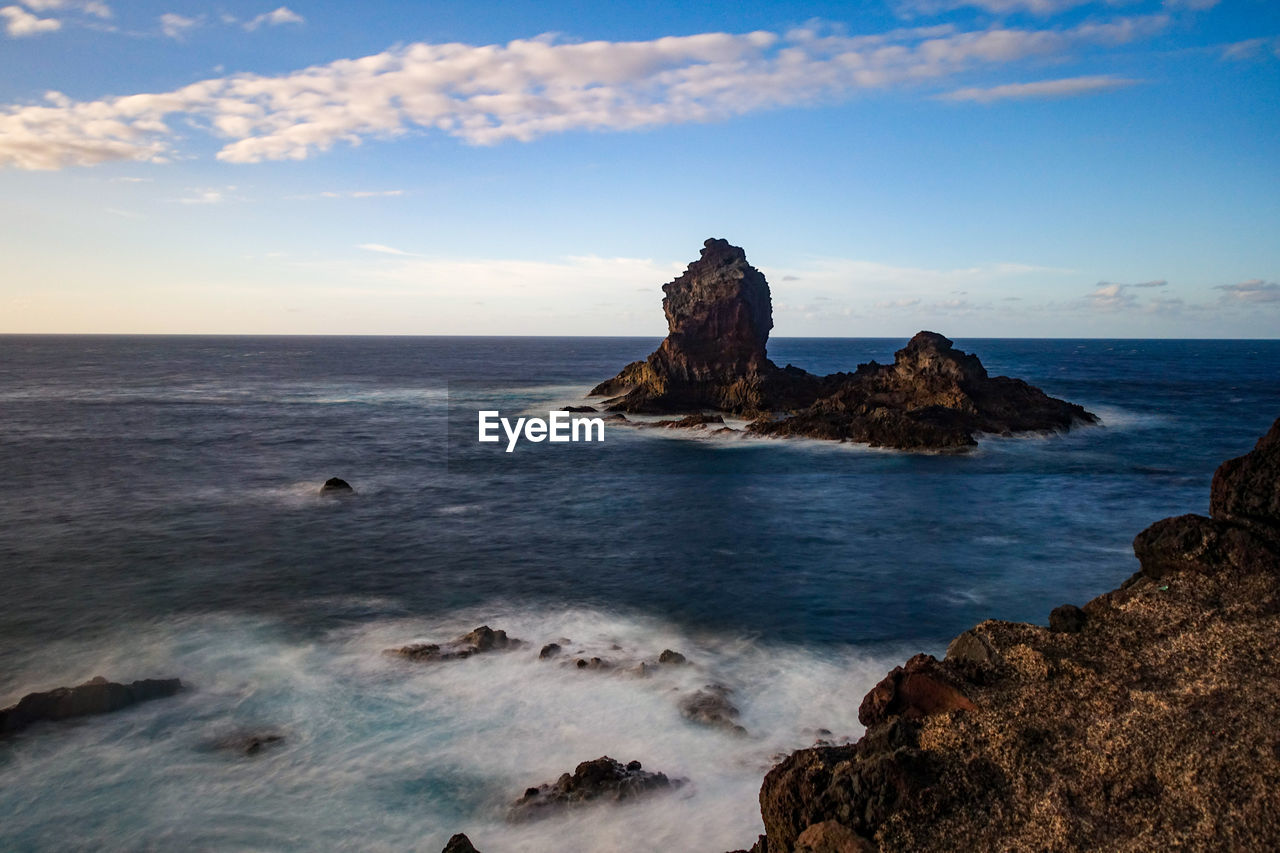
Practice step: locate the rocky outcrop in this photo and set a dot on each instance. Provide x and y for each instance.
(336, 487)
(96, 696)
(719, 315)
(1141, 721)
(600, 780)
(459, 844)
(479, 641)
(710, 706)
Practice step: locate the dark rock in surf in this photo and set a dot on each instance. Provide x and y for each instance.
(459, 844)
(719, 315)
(577, 410)
(479, 641)
(96, 696)
(249, 743)
(600, 780)
(549, 651)
(698, 421)
(335, 487)
(671, 657)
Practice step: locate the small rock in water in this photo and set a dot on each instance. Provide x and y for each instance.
(580, 410)
(459, 844)
(601, 779)
(248, 743)
(481, 640)
(336, 486)
(711, 707)
(669, 656)
(550, 650)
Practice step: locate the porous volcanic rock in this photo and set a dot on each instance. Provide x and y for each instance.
(1145, 725)
(478, 641)
(599, 780)
(719, 315)
(96, 696)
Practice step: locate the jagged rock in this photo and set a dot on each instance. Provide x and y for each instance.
(602, 779)
(481, 640)
(922, 688)
(459, 844)
(335, 486)
(719, 315)
(1151, 729)
(96, 696)
(549, 651)
(1067, 619)
(710, 706)
(1244, 489)
(671, 657)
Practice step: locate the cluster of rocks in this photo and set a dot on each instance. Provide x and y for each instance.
(1142, 720)
(719, 315)
(478, 641)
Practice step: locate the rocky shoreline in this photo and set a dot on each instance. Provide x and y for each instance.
(719, 315)
(1142, 720)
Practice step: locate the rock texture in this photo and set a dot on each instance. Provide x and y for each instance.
(600, 780)
(1142, 721)
(459, 844)
(714, 357)
(481, 640)
(336, 486)
(96, 696)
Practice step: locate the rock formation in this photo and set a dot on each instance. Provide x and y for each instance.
(714, 357)
(481, 640)
(600, 780)
(1143, 720)
(96, 696)
(459, 844)
(710, 706)
(336, 486)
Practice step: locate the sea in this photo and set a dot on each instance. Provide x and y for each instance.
(160, 516)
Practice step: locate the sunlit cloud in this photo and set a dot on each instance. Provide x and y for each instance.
(176, 26)
(1110, 296)
(385, 250)
(18, 22)
(1253, 292)
(523, 90)
(283, 15)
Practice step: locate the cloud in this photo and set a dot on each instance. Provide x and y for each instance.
(206, 196)
(1109, 296)
(1252, 48)
(1253, 292)
(524, 90)
(1041, 8)
(19, 22)
(1064, 88)
(175, 26)
(362, 194)
(283, 15)
(385, 250)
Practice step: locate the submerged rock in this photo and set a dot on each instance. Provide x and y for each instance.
(336, 486)
(248, 743)
(600, 780)
(96, 696)
(1143, 720)
(478, 641)
(719, 315)
(710, 706)
(671, 657)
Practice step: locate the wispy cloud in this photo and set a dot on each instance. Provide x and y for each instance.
(175, 26)
(1063, 88)
(526, 89)
(283, 15)
(18, 22)
(1040, 8)
(385, 250)
(1252, 292)
(1253, 48)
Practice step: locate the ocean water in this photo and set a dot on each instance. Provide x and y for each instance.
(160, 517)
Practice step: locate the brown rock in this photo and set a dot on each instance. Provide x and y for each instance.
(922, 688)
(459, 844)
(710, 706)
(1245, 489)
(1067, 619)
(832, 837)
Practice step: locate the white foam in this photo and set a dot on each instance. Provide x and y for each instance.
(385, 754)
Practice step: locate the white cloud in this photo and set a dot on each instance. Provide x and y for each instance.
(1043, 8)
(283, 15)
(91, 7)
(175, 26)
(525, 89)
(205, 196)
(1253, 292)
(385, 250)
(361, 194)
(1063, 88)
(1109, 296)
(19, 22)
(1252, 48)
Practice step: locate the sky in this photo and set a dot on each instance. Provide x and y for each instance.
(982, 168)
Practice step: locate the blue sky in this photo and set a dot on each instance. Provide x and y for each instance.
(979, 167)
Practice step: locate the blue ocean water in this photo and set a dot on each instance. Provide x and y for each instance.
(161, 517)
